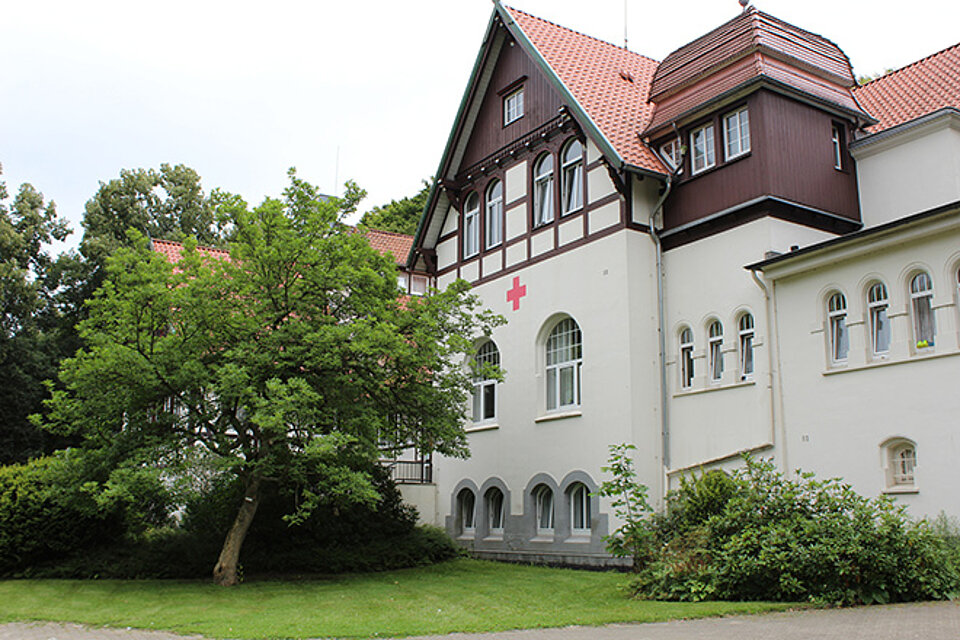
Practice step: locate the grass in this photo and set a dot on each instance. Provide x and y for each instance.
(462, 595)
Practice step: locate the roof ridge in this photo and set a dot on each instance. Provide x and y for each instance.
(392, 233)
(199, 246)
(581, 34)
(908, 65)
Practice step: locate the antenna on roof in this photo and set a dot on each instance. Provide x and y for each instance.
(624, 24)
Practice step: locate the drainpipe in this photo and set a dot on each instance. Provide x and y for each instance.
(773, 372)
(655, 238)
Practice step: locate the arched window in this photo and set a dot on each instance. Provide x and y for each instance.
(877, 305)
(544, 504)
(579, 508)
(901, 461)
(466, 508)
(494, 218)
(715, 337)
(837, 321)
(471, 225)
(543, 190)
(564, 363)
(921, 305)
(484, 383)
(745, 343)
(686, 358)
(494, 503)
(572, 182)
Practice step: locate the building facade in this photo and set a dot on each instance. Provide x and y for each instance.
(734, 250)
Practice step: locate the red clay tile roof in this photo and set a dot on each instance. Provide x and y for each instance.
(173, 250)
(751, 45)
(385, 242)
(915, 90)
(611, 83)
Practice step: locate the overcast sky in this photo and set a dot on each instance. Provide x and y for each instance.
(362, 90)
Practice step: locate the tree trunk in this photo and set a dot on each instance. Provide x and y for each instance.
(225, 573)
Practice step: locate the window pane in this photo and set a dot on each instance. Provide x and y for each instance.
(489, 400)
(839, 338)
(746, 354)
(566, 386)
(881, 329)
(551, 388)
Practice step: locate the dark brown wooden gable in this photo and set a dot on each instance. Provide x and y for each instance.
(541, 103)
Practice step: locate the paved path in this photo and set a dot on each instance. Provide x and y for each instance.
(927, 621)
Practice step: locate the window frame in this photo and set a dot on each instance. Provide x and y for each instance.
(709, 150)
(746, 335)
(495, 518)
(544, 200)
(571, 178)
(671, 153)
(838, 334)
(836, 137)
(900, 465)
(580, 501)
(467, 517)
(471, 225)
(685, 358)
(715, 349)
(493, 215)
(878, 317)
(921, 309)
(513, 106)
(541, 494)
(555, 369)
(484, 387)
(742, 118)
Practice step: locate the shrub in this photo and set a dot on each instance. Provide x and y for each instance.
(757, 535)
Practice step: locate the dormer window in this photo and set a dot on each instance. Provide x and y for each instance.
(704, 151)
(671, 154)
(736, 133)
(513, 106)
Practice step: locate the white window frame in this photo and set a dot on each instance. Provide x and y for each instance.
(571, 173)
(419, 285)
(513, 106)
(921, 310)
(580, 509)
(715, 348)
(703, 150)
(878, 307)
(494, 503)
(564, 358)
(900, 460)
(837, 332)
(670, 151)
(544, 505)
(402, 282)
(485, 388)
(471, 225)
(493, 222)
(836, 137)
(745, 337)
(736, 133)
(467, 506)
(543, 196)
(686, 358)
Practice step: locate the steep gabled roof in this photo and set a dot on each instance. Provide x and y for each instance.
(915, 90)
(385, 242)
(609, 83)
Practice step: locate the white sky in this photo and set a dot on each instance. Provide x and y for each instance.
(242, 90)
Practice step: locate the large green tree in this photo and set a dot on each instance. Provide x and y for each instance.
(31, 336)
(278, 362)
(399, 216)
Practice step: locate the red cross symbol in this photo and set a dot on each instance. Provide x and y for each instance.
(516, 293)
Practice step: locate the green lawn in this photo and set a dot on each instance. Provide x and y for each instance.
(463, 595)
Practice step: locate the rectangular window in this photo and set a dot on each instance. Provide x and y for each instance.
(746, 355)
(716, 359)
(837, 136)
(513, 107)
(704, 151)
(839, 338)
(471, 233)
(402, 281)
(418, 285)
(686, 366)
(736, 133)
(880, 328)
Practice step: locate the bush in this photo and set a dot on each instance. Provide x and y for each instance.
(757, 535)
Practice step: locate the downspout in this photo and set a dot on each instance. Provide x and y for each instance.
(658, 249)
(773, 374)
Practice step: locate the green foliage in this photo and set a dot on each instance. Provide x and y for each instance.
(283, 364)
(760, 536)
(400, 216)
(628, 497)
